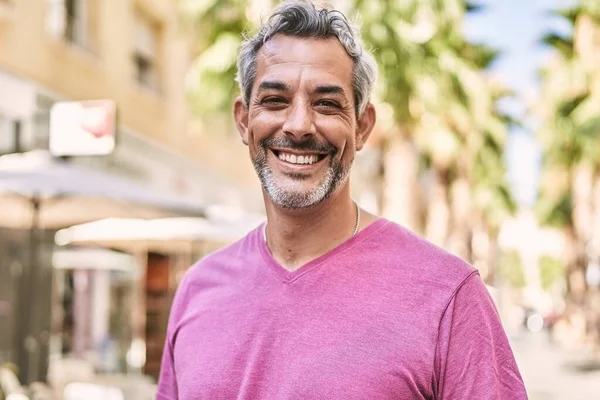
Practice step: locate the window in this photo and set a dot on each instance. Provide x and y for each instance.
(70, 20)
(6, 137)
(76, 21)
(145, 51)
(10, 135)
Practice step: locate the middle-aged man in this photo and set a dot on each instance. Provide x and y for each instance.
(326, 301)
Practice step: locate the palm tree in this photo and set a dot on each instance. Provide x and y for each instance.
(570, 139)
(443, 109)
(218, 27)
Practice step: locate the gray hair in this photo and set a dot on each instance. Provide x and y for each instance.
(300, 18)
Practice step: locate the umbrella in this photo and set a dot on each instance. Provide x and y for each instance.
(52, 193)
(165, 235)
(38, 190)
(93, 259)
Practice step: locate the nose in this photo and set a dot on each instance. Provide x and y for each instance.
(299, 121)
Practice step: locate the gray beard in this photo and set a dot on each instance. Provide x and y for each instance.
(292, 196)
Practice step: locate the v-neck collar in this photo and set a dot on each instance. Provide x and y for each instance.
(288, 276)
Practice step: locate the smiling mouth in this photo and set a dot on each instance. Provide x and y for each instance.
(299, 159)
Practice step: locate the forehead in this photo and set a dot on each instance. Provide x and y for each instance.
(304, 60)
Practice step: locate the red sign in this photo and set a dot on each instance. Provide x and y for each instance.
(83, 128)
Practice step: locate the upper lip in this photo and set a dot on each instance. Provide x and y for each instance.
(299, 152)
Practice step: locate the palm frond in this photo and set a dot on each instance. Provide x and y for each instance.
(568, 106)
(473, 7)
(570, 13)
(564, 45)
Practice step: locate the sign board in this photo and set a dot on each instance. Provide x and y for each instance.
(83, 128)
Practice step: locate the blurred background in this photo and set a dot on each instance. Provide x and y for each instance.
(121, 166)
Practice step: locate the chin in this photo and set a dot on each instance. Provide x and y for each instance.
(297, 190)
(296, 199)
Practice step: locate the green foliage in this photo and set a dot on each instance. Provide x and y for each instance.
(211, 82)
(481, 55)
(564, 45)
(219, 25)
(591, 8)
(432, 77)
(472, 7)
(511, 269)
(551, 271)
(570, 14)
(570, 132)
(555, 211)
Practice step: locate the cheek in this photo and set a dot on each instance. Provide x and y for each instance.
(340, 134)
(262, 125)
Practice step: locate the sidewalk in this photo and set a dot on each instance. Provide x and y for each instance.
(546, 372)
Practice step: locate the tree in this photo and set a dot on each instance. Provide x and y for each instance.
(444, 114)
(218, 27)
(570, 190)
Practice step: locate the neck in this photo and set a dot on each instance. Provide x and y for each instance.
(296, 237)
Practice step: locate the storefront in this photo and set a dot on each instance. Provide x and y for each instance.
(24, 126)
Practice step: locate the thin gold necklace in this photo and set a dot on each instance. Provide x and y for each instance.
(356, 227)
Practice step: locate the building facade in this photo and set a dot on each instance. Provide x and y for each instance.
(135, 53)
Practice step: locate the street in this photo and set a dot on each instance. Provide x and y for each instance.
(546, 372)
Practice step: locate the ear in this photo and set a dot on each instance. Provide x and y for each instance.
(366, 122)
(240, 114)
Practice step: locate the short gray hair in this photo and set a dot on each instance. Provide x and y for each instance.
(299, 18)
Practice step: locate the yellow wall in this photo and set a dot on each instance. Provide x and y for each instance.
(29, 51)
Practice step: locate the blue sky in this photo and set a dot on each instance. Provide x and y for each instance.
(514, 27)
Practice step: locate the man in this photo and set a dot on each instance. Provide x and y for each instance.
(326, 301)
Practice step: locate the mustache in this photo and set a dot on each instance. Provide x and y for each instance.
(305, 145)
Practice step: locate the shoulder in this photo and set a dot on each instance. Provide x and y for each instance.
(219, 268)
(419, 260)
(231, 256)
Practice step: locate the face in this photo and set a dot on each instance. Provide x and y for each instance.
(300, 124)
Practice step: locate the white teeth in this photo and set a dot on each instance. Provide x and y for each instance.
(294, 159)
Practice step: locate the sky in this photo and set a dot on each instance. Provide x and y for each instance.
(515, 27)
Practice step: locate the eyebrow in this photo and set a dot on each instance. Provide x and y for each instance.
(329, 89)
(282, 87)
(273, 85)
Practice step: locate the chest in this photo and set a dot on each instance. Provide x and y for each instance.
(281, 347)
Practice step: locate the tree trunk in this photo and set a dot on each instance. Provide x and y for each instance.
(400, 202)
(438, 210)
(594, 253)
(460, 240)
(580, 295)
(595, 219)
(480, 245)
(576, 263)
(492, 259)
(582, 188)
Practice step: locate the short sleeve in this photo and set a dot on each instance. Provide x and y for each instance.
(473, 356)
(167, 381)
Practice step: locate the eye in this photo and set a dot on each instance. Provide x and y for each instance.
(273, 100)
(327, 104)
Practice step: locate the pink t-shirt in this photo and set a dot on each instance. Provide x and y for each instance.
(385, 315)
